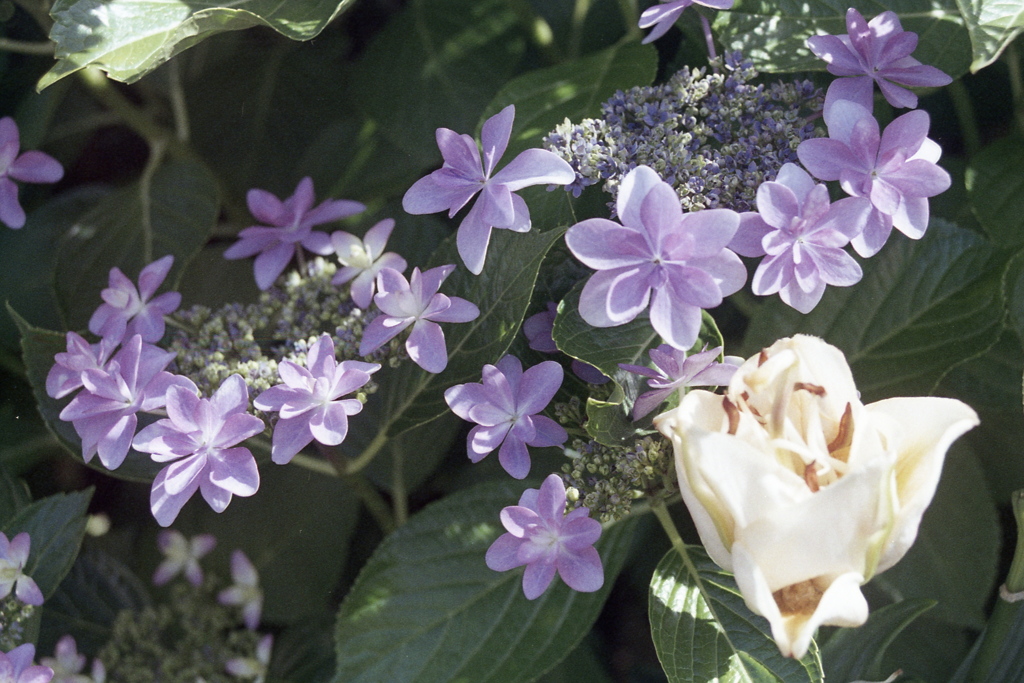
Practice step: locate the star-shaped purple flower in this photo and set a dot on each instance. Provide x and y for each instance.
(16, 666)
(30, 167)
(676, 370)
(181, 556)
(664, 15)
(416, 302)
(362, 259)
(13, 558)
(803, 236)
(463, 175)
(198, 434)
(293, 221)
(310, 400)
(681, 259)
(545, 539)
(874, 52)
(127, 311)
(66, 374)
(245, 592)
(896, 170)
(505, 407)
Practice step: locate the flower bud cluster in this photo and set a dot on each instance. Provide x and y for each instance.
(714, 137)
(13, 615)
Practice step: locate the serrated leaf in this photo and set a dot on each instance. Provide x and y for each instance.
(303, 653)
(992, 24)
(703, 631)
(426, 607)
(921, 308)
(130, 38)
(856, 653)
(609, 423)
(995, 186)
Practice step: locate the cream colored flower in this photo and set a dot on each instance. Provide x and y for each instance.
(802, 491)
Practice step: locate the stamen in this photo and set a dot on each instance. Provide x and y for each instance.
(732, 413)
(839, 447)
(815, 389)
(762, 357)
(811, 476)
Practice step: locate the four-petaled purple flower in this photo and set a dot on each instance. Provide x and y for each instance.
(545, 539)
(663, 15)
(182, 555)
(198, 434)
(67, 663)
(682, 259)
(803, 236)
(245, 592)
(538, 329)
(674, 371)
(293, 221)
(253, 668)
(66, 374)
(16, 666)
(128, 311)
(874, 52)
(463, 175)
(505, 407)
(896, 170)
(362, 259)
(416, 302)
(30, 167)
(310, 402)
(104, 412)
(13, 558)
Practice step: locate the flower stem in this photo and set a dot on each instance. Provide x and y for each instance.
(661, 512)
(26, 47)
(315, 464)
(631, 17)
(708, 38)
(1012, 58)
(579, 17)
(965, 115)
(374, 502)
(399, 500)
(368, 454)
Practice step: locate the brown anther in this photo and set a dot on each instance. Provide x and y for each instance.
(839, 447)
(815, 389)
(811, 477)
(798, 598)
(762, 358)
(733, 413)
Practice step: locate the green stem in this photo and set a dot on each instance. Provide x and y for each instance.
(579, 17)
(399, 500)
(965, 115)
(315, 464)
(364, 458)
(665, 519)
(181, 124)
(157, 149)
(631, 17)
(25, 47)
(374, 502)
(1012, 59)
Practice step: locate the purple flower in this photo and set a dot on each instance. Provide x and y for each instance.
(182, 555)
(253, 668)
(538, 328)
(803, 237)
(663, 15)
(874, 52)
(103, 413)
(293, 221)
(310, 400)
(674, 371)
(463, 175)
(896, 170)
(362, 259)
(66, 374)
(416, 302)
(545, 539)
(30, 167)
(245, 592)
(16, 666)
(128, 311)
(198, 434)
(681, 258)
(13, 558)
(505, 407)
(66, 662)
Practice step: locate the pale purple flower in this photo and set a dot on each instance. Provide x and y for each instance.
(292, 221)
(246, 592)
(16, 666)
(104, 412)
(682, 259)
(310, 400)
(463, 175)
(198, 434)
(874, 52)
(676, 370)
(30, 167)
(538, 329)
(182, 555)
(416, 302)
(362, 259)
(66, 374)
(803, 236)
(662, 16)
(67, 663)
(505, 407)
(127, 311)
(896, 170)
(13, 558)
(545, 539)
(253, 668)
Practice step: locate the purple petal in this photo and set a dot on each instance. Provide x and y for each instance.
(271, 263)
(473, 237)
(235, 470)
(11, 213)
(602, 244)
(329, 425)
(551, 499)
(678, 323)
(826, 158)
(426, 346)
(632, 190)
(166, 506)
(538, 387)
(859, 90)
(535, 167)
(897, 96)
(27, 591)
(36, 167)
(836, 267)
(581, 570)
(482, 440)
(514, 457)
(777, 204)
(462, 397)
(614, 297)
(332, 210)
(537, 578)
(548, 433)
(749, 236)
(378, 333)
(461, 155)
(912, 217)
(291, 435)
(494, 137)
(265, 207)
(709, 232)
(503, 553)
(439, 192)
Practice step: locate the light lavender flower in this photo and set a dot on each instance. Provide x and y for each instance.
(16, 666)
(30, 167)
(182, 555)
(676, 370)
(127, 311)
(505, 407)
(198, 434)
(463, 175)
(67, 663)
(293, 221)
(362, 259)
(66, 374)
(416, 302)
(546, 540)
(246, 592)
(664, 15)
(13, 558)
(538, 329)
(253, 668)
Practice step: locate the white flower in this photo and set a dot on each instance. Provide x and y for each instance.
(800, 490)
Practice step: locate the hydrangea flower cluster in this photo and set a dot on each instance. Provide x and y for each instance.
(181, 556)
(28, 167)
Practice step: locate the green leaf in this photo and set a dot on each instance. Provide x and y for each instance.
(56, 525)
(574, 90)
(130, 38)
(171, 212)
(856, 653)
(921, 308)
(610, 423)
(304, 653)
(773, 33)
(995, 186)
(427, 608)
(703, 631)
(14, 496)
(992, 24)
